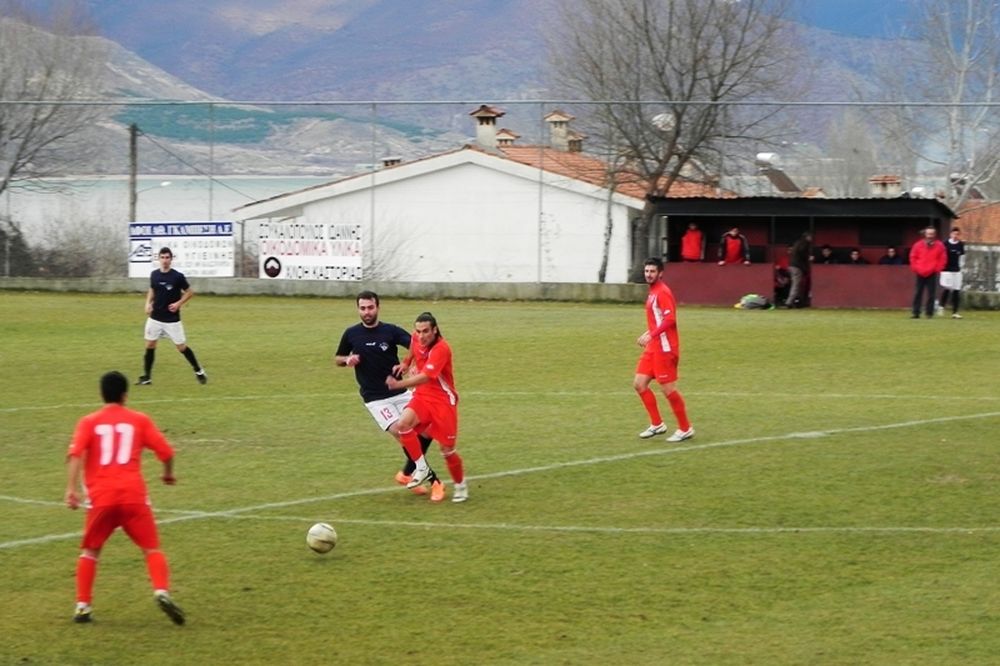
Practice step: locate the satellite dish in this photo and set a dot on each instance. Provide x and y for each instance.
(767, 160)
(663, 121)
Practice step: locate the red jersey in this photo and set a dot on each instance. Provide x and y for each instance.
(692, 245)
(661, 319)
(111, 441)
(436, 364)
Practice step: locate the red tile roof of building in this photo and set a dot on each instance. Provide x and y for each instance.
(593, 170)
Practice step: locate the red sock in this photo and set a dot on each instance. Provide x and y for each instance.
(680, 411)
(455, 468)
(86, 572)
(649, 402)
(159, 573)
(411, 444)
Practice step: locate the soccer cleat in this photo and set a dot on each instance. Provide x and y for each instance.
(402, 479)
(652, 431)
(460, 493)
(83, 613)
(168, 606)
(201, 376)
(681, 435)
(419, 476)
(437, 491)
(144, 380)
(956, 316)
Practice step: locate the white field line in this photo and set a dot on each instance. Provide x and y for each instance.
(229, 513)
(140, 401)
(515, 527)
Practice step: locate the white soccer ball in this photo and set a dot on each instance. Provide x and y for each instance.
(321, 537)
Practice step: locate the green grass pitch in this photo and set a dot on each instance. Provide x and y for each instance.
(840, 503)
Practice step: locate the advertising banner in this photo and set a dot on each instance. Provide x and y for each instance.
(310, 251)
(200, 249)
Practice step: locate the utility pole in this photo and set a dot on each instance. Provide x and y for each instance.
(133, 166)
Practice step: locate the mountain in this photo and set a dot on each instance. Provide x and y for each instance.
(468, 51)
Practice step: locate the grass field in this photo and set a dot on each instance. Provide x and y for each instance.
(839, 505)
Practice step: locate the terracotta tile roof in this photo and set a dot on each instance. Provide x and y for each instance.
(980, 222)
(590, 169)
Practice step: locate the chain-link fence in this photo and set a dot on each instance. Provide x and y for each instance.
(519, 191)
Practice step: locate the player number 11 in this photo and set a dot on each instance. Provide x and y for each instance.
(119, 449)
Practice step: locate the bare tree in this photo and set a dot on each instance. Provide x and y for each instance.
(953, 58)
(49, 62)
(643, 59)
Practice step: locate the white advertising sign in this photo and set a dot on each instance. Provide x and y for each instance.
(310, 251)
(200, 249)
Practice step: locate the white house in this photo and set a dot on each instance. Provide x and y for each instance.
(491, 212)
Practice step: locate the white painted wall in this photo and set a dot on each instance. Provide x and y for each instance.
(469, 223)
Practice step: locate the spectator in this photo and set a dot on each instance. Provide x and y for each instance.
(782, 277)
(800, 268)
(891, 257)
(826, 256)
(693, 244)
(927, 258)
(734, 248)
(855, 258)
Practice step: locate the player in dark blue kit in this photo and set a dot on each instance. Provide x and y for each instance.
(168, 291)
(951, 276)
(371, 348)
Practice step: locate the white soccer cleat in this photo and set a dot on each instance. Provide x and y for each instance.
(956, 316)
(681, 435)
(420, 475)
(653, 431)
(460, 492)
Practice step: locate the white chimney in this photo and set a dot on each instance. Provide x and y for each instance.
(885, 185)
(506, 137)
(559, 131)
(486, 125)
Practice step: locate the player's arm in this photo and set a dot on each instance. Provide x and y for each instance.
(186, 295)
(74, 467)
(155, 441)
(168, 472)
(407, 382)
(345, 356)
(149, 301)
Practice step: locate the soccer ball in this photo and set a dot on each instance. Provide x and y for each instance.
(321, 537)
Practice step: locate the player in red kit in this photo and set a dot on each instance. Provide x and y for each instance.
(106, 448)
(433, 411)
(660, 357)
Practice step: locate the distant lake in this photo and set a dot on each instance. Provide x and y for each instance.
(104, 201)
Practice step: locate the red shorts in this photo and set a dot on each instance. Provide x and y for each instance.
(660, 365)
(135, 519)
(438, 420)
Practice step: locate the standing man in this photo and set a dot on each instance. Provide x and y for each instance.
(927, 258)
(660, 356)
(107, 446)
(168, 292)
(693, 244)
(371, 348)
(951, 276)
(800, 269)
(734, 248)
(434, 407)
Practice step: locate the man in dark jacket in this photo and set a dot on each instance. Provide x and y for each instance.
(799, 265)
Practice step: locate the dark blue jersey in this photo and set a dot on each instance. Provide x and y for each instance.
(167, 288)
(955, 252)
(378, 348)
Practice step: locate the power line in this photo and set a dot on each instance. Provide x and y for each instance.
(512, 102)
